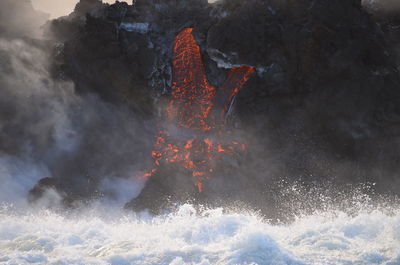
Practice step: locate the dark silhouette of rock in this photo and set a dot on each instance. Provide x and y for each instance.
(41, 187)
(323, 106)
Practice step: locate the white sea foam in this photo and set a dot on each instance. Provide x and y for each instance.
(190, 237)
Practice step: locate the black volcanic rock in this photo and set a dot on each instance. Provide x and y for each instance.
(86, 6)
(322, 107)
(41, 187)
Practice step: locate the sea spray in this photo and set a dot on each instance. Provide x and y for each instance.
(190, 236)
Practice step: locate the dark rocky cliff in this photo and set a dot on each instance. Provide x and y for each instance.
(322, 107)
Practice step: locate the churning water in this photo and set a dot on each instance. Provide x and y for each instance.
(190, 236)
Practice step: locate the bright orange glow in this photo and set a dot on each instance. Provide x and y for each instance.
(195, 141)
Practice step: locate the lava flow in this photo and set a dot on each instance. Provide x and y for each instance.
(192, 134)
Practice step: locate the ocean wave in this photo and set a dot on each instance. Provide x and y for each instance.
(190, 236)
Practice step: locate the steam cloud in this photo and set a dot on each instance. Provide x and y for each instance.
(386, 5)
(48, 130)
(58, 8)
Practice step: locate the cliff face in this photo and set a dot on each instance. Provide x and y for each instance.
(322, 105)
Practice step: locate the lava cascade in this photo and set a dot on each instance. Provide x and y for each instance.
(192, 134)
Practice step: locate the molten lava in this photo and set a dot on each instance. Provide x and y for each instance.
(191, 135)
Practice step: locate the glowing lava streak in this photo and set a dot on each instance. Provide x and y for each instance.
(195, 113)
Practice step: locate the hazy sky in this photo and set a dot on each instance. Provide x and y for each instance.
(57, 8)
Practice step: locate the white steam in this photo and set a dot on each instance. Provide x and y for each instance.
(386, 5)
(58, 8)
(46, 128)
(17, 176)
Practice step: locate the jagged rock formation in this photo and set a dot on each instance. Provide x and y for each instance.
(322, 107)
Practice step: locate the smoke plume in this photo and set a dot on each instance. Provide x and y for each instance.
(49, 130)
(385, 5)
(58, 8)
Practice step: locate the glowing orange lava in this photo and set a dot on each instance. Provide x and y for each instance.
(191, 135)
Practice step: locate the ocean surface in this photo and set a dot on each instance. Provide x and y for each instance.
(102, 235)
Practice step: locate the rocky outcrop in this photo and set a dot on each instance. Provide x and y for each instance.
(323, 106)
